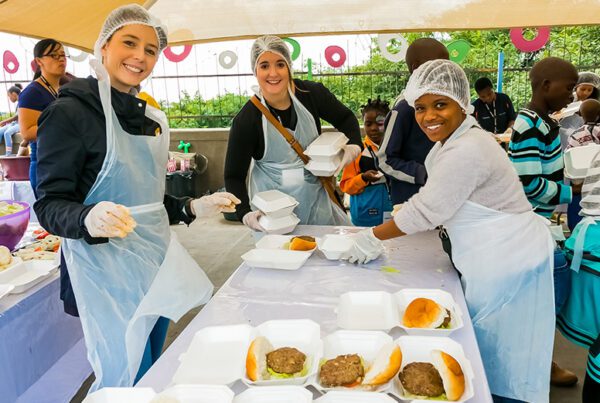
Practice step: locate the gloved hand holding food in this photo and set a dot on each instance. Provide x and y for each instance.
(220, 202)
(366, 247)
(351, 152)
(250, 220)
(107, 220)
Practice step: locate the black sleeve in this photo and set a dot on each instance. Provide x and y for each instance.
(336, 113)
(61, 162)
(245, 142)
(178, 209)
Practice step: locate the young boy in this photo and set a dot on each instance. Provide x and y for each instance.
(368, 190)
(589, 133)
(493, 110)
(536, 154)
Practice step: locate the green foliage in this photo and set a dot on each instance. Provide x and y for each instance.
(195, 112)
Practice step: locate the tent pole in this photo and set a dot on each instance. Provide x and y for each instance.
(500, 72)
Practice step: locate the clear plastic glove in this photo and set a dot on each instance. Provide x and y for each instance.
(366, 247)
(351, 152)
(250, 220)
(109, 220)
(220, 202)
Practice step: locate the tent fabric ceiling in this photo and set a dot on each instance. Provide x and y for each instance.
(77, 22)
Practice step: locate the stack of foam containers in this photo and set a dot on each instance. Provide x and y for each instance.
(326, 153)
(278, 209)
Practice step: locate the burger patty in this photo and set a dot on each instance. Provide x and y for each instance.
(422, 379)
(342, 370)
(286, 360)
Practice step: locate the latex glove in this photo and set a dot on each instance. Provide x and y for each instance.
(250, 220)
(214, 204)
(351, 152)
(366, 247)
(371, 176)
(109, 220)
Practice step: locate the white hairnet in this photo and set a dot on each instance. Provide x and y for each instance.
(590, 200)
(439, 77)
(587, 77)
(273, 44)
(128, 15)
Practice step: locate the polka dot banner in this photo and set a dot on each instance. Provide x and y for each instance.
(176, 58)
(525, 45)
(10, 62)
(384, 39)
(227, 59)
(330, 56)
(295, 47)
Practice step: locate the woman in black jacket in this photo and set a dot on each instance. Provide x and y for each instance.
(299, 106)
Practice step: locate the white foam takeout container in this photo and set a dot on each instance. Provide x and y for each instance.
(418, 349)
(274, 241)
(197, 394)
(338, 396)
(121, 395)
(5, 289)
(271, 202)
(327, 144)
(334, 158)
(379, 310)
(217, 354)
(275, 394)
(280, 225)
(25, 275)
(364, 343)
(579, 159)
(318, 168)
(335, 246)
(276, 258)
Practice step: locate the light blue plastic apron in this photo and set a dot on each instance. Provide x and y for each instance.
(123, 286)
(281, 168)
(506, 262)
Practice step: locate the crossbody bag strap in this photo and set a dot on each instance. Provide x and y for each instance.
(326, 182)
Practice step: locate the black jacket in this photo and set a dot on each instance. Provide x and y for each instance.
(71, 149)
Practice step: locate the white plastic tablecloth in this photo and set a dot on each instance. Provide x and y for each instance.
(256, 295)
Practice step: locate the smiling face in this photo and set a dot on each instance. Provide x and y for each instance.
(273, 75)
(130, 55)
(438, 116)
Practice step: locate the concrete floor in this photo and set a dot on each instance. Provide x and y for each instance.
(217, 244)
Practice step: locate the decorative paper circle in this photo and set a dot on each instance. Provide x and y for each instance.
(524, 45)
(384, 39)
(77, 57)
(332, 50)
(458, 50)
(295, 47)
(10, 62)
(34, 65)
(225, 56)
(176, 58)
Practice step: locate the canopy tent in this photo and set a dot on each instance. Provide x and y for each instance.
(77, 22)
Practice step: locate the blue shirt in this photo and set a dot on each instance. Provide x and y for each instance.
(36, 97)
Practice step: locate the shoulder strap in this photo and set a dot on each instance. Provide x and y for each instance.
(326, 182)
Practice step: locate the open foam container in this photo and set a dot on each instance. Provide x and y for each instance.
(379, 310)
(578, 160)
(24, 275)
(121, 395)
(217, 354)
(275, 394)
(337, 396)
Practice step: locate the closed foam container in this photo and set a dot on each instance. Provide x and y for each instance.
(335, 246)
(418, 349)
(276, 258)
(364, 343)
(121, 395)
(579, 159)
(279, 225)
(322, 168)
(338, 396)
(327, 144)
(198, 394)
(272, 201)
(379, 310)
(217, 354)
(335, 158)
(275, 394)
(25, 275)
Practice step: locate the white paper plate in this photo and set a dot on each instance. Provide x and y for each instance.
(275, 394)
(336, 396)
(198, 394)
(280, 225)
(121, 395)
(579, 159)
(418, 349)
(327, 144)
(367, 310)
(25, 275)
(276, 258)
(443, 298)
(272, 200)
(5, 289)
(335, 246)
(302, 334)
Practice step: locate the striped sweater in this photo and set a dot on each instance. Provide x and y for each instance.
(536, 154)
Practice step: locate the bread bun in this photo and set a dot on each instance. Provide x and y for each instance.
(451, 373)
(386, 365)
(5, 256)
(424, 313)
(256, 359)
(301, 243)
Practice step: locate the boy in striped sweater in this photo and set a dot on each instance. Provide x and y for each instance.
(536, 154)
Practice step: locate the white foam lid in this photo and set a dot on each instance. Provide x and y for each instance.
(199, 393)
(335, 246)
(367, 310)
(275, 394)
(272, 200)
(338, 396)
(121, 395)
(579, 159)
(327, 143)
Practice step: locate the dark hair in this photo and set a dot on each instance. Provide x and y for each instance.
(15, 88)
(377, 105)
(483, 83)
(44, 48)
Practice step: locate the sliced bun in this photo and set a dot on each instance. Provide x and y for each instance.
(256, 359)
(299, 243)
(451, 373)
(5, 256)
(386, 365)
(424, 313)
